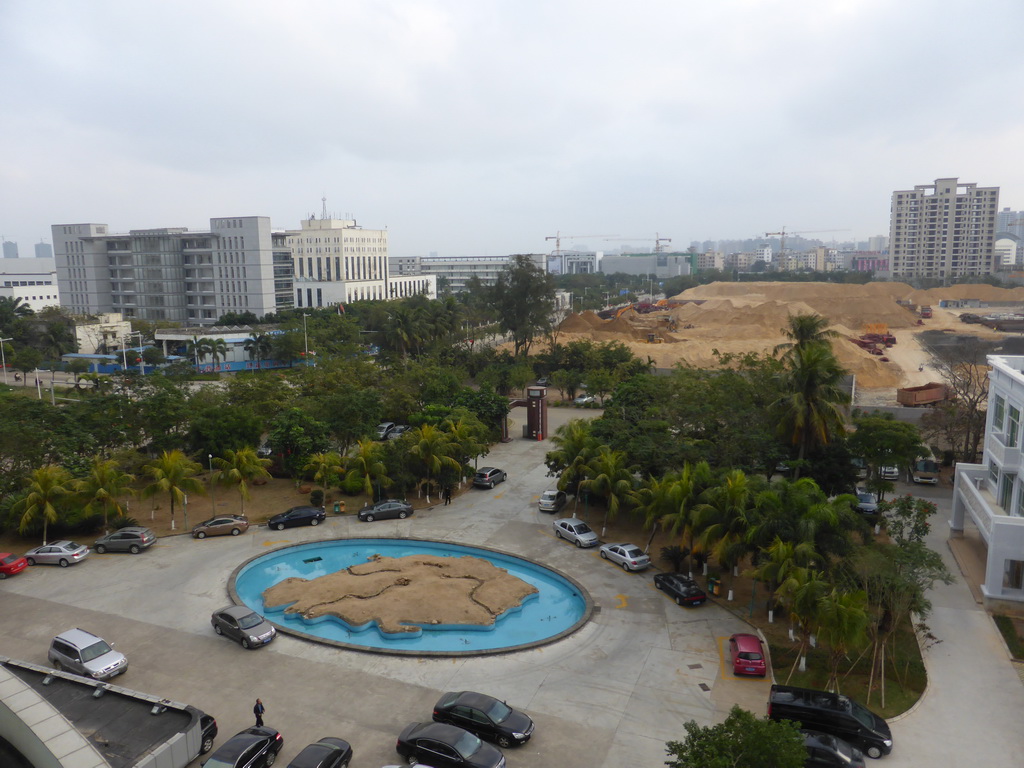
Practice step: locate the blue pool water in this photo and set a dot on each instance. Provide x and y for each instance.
(559, 606)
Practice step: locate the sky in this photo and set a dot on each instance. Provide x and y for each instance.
(486, 127)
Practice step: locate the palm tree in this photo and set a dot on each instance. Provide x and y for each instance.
(782, 559)
(326, 468)
(811, 407)
(198, 349)
(218, 349)
(433, 449)
(842, 624)
(240, 469)
(46, 487)
(466, 443)
(694, 481)
(608, 476)
(400, 332)
(258, 347)
(724, 519)
(174, 473)
(12, 308)
(574, 447)
(801, 593)
(367, 462)
(804, 330)
(103, 487)
(657, 500)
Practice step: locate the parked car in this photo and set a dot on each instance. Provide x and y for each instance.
(221, 526)
(209, 725)
(488, 477)
(86, 654)
(890, 473)
(397, 431)
(132, 539)
(827, 751)
(746, 652)
(682, 589)
(244, 625)
(446, 746)
(255, 747)
(925, 471)
(386, 509)
(583, 400)
(62, 553)
(329, 752)
(552, 501)
(544, 381)
(834, 714)
(629, 556)
(383, 428)
(485, 716)
(867, 502)
(304, 515)
(11, 564)
(575, 530)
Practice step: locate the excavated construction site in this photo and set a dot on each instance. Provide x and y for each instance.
(750, 317)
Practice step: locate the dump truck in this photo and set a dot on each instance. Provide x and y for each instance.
(925, 311)
(926, 394)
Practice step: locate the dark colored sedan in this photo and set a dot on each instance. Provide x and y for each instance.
(329, 752)
(485, 716)
(131, 539)
(684, 590)
(385, 509)
(243, 625)
(255, 747)
(445, 746)
(11, 564)
(298, 516)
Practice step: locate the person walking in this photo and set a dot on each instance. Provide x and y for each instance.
(447, 495)
(258, 710)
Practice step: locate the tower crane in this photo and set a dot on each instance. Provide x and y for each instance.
(558, 237)
(782, 235)
(658, 240)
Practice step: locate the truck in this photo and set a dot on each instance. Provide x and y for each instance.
(925, 311)
(927, 394)
(124, 727)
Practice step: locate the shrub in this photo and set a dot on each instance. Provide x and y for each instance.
(316, 498)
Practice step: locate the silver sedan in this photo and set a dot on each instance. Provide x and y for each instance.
(629, 556)
(62, 553)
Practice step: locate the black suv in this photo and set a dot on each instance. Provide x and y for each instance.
(298, 516)
(255, 747)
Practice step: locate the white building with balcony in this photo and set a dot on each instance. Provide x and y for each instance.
(992, 493)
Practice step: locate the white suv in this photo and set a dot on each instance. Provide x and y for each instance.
(86, 654)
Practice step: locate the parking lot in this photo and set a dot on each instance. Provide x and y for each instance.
(610, 695)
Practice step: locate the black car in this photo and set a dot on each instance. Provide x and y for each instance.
(255, 747)
(385, 509)
(329, 752)
(298, 516)
(826, 751)
(485, 716)
(209, 725)
(682, 588)
(445, 746)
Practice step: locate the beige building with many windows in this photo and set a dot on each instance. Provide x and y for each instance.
(945, 229)
(337, 262)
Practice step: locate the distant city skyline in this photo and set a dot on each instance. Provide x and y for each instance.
(484, 128)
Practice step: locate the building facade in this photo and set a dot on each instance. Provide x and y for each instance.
(457, 270)
(34, 281)
(336, 262)
(660, 265)
(945, 229)
(991, 493)
(174, 274)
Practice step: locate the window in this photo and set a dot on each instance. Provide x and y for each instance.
(1013, 428)
(993, 475)
(1013, 574)
(1006, 491)
(997, 414)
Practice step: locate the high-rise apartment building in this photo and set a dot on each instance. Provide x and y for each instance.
(174, 274)
(10, 249)
(942, 230)
(44, 251)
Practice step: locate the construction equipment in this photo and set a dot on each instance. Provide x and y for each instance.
(653, 338)
(782, 236)
(658, 240)
(927, 394)
(558, 237)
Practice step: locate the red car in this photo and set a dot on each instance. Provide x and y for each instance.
(747, 654)
(11, 564)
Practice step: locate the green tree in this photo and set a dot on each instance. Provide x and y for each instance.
(842, 625)
(433, 450)
(218, 349)
(725, 518)
(882, 441)
(258, 348)
(240, 469)
(574, 447)
(804, 330)
(367, 466)
(295, 435)
(741, 741)
(608, 475)
(524, 301)
(103, 487)
(326, 467)
(173, 473)
(46, 488)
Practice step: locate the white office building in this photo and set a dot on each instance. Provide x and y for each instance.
(457, 270)
(336, 262)
(34, 281)
(189, 277)
(991, 493)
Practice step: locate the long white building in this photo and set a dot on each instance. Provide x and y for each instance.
(190, 277)
(34, 281)
(457, 270)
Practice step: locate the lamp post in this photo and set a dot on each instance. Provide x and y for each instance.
(305, 338)
(213, 498)
(3, 357)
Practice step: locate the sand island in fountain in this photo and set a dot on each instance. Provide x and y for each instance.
(402, 594)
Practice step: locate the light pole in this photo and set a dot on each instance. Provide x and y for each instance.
(142, 364)
(3, 357)
(213, 498)
(305, 338)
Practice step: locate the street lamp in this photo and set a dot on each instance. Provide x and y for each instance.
(305, 338)
(213, 498)
(3, 357)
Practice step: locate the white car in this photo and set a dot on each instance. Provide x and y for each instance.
(575, 530)
(890, 473)
(629, 556)
(583, 400)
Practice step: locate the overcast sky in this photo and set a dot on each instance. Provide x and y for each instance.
(480, 127)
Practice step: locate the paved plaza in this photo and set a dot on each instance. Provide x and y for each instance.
(608, 696)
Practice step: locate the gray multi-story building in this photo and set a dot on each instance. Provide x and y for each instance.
(943, 230)
(10, 249)
(657, 264)
(44, 251)
(190, 277)
(457, 270)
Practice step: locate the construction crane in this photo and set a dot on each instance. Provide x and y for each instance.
(558, 237)
(658, 240)
(782, 235)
